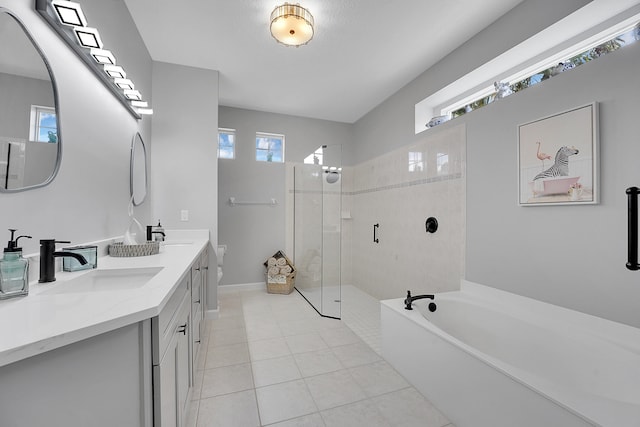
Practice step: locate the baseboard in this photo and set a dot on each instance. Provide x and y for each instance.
(257, 286)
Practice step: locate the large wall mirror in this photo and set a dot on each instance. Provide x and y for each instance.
(30, 146)
(138, 170)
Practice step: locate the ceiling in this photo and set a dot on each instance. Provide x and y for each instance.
(362, 52)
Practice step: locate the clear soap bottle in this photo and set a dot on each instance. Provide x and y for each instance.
(14, 270)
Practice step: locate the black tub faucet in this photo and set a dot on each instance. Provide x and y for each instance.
(48, 255)
(410, 299)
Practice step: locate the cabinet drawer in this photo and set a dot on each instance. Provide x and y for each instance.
(162, 326)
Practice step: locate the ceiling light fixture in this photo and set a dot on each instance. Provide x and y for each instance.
(292, 24)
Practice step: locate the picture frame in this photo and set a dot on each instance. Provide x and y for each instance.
(558, 159)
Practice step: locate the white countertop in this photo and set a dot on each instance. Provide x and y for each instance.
(43, 321)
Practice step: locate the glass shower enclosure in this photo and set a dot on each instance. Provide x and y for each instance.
(317, 229)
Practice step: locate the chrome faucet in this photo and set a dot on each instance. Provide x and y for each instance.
(410, 299)
(48, 255)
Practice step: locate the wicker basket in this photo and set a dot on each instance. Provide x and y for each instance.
(119, 249)
(281, 283)
(281, 288)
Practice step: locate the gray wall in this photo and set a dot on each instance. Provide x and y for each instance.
(253, 233)
(391, 124)
(571, 256)
(88, 199)
(184, 175)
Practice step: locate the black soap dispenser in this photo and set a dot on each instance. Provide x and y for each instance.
(14, 270)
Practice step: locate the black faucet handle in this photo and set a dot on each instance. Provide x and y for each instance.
(408, 301)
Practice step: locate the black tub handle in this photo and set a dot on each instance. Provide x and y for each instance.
(632, 258)
(375, 227)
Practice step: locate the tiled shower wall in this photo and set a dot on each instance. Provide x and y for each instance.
(399, 191)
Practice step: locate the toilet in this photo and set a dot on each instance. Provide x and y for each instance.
(220, 254)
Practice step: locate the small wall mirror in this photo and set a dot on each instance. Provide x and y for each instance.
(138, 170)
(30, 144)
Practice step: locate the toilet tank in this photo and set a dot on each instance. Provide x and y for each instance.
(220, 253)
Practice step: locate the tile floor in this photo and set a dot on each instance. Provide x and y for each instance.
(270, 360)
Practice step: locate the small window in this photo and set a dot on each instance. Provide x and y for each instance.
(226, 143)
(269, 147)
(43, 124)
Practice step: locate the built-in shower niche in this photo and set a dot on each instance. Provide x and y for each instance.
(318, 230)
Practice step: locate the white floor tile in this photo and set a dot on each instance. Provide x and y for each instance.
(317, 362)
(220, 337)
(303, 343)
(274, 371)
(408, 408)
(268, 349)
(231, 322)
(339, 336)
(283, 401)
(351, 355)
(334, 389)
(378, 378)
(359, 414)
(313, 420)
(230, 410)
(227, 379)
(227, 355)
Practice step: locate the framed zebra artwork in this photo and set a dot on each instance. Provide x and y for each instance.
(558, 159)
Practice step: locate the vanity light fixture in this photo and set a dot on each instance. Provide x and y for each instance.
(69, 13)
(69, 21)
(140, 104)
(124, 83)
(132, 94)
(115, 71)
(102, 56)
(292, 25)
(88, 37)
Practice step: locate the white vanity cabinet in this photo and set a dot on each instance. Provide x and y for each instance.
(172, 358)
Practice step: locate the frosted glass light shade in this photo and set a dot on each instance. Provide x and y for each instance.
(292, 24)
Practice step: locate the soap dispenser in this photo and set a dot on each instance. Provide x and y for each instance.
(14, 270)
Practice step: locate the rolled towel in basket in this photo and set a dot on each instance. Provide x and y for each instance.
(281, 262)
(273, 271)
(285, 270)
(271, 262)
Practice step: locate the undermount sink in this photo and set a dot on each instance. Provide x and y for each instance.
(105, 280)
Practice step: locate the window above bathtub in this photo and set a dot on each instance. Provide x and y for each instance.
(575, 40)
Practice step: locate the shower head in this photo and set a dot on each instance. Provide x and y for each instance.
(332, 176)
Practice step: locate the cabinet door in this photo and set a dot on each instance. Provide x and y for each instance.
(172, 376)
(165, 388)
(183, 372)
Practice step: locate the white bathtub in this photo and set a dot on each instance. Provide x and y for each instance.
(488, 358)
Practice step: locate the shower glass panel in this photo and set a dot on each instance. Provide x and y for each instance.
(317, 232)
